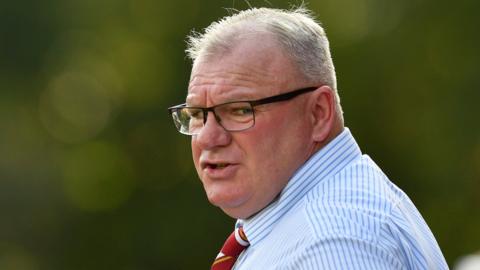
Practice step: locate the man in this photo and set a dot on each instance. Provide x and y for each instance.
(271, 150)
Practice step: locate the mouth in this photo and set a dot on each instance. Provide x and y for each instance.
(219, 169)
(216, 166)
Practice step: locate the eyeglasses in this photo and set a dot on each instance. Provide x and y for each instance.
(232, 116)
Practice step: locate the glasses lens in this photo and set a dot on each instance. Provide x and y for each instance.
(188, 120)
(235, 116)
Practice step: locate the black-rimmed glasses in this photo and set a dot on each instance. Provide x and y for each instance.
(232, 116)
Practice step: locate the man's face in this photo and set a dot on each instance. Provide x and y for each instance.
(242, 172)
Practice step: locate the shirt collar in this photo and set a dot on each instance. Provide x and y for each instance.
(324, 163)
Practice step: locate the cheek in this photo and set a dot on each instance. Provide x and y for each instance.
(278, 146)
(195, 155)
(262, 154)
(269, 138)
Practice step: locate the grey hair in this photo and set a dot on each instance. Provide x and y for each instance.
(303, 39)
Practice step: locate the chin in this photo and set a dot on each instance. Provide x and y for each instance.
(223, 201)
(235, 213)
(232, 204)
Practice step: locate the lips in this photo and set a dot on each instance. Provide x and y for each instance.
(216, 165)
(218, 169)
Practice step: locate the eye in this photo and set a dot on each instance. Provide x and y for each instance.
(242, 111)
(195, 114)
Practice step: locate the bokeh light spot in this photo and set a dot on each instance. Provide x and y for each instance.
(74, 107)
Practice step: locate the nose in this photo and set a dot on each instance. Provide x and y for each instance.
(212, 134)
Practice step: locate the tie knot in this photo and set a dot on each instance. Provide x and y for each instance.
(241, 237)
(233, 247)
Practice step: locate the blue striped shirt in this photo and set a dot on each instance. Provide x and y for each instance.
(340, 211)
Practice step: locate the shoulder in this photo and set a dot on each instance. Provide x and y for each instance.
(357, 201)
(359, 217)
(348, 214)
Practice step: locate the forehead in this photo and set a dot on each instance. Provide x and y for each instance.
(254, 68)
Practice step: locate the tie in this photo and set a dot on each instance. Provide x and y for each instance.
(235, 244)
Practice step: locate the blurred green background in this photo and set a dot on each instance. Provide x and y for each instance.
(93, 174)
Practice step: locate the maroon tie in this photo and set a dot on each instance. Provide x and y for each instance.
(235, 244)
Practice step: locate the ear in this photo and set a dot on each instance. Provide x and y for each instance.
(322, 111)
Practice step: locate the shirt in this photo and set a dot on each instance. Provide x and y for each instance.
(339, 211)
